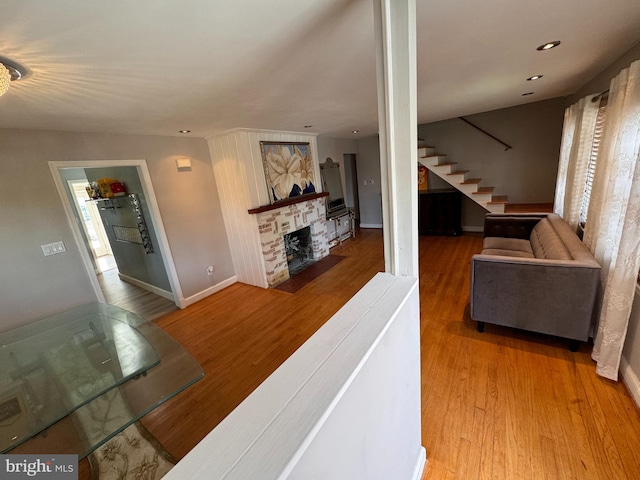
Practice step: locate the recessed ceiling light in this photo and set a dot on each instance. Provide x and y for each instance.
(535, 77)
(528, 93)
(308, 126)
(355, 131)
(184, 131)
(549, 45)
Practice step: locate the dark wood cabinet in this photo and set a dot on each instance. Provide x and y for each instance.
(439, 212)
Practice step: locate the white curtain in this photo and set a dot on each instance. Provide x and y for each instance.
(612, 231)
(577, 137)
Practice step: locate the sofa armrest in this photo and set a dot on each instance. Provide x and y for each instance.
(517, 292)
(511, 225)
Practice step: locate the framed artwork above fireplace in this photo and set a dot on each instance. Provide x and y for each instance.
(288, 169)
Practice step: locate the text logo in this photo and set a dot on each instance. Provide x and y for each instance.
(50, 467)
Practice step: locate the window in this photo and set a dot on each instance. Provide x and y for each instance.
(597, 137)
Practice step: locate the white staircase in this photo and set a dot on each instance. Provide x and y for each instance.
(449, 172)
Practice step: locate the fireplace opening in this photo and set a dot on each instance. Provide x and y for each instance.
(299, 249)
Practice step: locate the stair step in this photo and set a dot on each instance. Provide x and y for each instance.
(459, 172)
(426, 151)
(472, 181)
(499, 199)
(444, 164)
(484, 190)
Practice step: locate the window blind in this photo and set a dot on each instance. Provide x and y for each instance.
(593, 156)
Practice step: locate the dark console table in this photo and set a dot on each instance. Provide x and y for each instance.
(439, 212)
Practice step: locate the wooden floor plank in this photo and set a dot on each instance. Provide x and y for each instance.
(501, 404)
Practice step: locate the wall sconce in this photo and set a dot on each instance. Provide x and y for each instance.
(183, 164)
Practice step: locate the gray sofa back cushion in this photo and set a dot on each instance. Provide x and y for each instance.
(547, 242)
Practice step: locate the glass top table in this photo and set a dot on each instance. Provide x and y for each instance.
(70, 382)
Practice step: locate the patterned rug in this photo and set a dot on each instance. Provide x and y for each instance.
(132, 454)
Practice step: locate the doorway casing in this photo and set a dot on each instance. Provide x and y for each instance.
(156, 220)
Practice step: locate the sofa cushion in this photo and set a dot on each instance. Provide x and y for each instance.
(501, 243)
(547, 243)
(507, 253)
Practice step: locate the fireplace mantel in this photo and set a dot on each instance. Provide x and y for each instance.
(288, 201)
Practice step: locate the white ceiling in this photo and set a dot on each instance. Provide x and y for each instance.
(155, 67)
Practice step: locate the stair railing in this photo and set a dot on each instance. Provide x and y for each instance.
(507, 146)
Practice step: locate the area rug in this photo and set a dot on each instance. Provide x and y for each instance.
(313, 271)
(133, 454)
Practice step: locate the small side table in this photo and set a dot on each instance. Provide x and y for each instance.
(340, 219)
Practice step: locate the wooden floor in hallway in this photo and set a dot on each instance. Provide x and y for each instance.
(498, 405)
(133, 298)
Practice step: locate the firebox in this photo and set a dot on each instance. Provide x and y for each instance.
(299, 249)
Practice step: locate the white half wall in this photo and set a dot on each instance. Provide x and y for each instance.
(241, 184)
(345, 405)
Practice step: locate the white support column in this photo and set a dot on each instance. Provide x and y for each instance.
(395, 28)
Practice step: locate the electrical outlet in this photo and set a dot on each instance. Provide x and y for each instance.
(210, 270)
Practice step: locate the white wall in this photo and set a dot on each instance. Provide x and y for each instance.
(33, 286)
(241, 184)
(346, 405)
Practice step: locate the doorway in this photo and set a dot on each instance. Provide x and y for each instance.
(351, 181)
(90, 234)
(92, 226)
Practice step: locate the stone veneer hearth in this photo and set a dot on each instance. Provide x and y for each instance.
(276, 223)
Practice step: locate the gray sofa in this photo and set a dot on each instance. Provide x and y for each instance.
(534, 274)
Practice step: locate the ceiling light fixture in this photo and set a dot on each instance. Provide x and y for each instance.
(355, 131)
(535, 77)
(5, 78)
(10, 72)
(549, 45)
(528, 93)
(308, 126)
(184, 131)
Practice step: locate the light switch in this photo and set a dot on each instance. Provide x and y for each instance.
(53, 248)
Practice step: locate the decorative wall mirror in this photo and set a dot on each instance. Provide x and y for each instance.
(332, 183)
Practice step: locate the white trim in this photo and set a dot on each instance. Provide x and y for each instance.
(154, 210)
(421, 463)
(370, 225)
(472, 228)
(77, 235)
(630, 380)
(185, 302)
(146, 286)
(260, 131)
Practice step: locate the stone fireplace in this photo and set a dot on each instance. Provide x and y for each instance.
(275, 222)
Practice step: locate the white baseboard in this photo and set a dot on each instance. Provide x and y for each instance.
(146, 286)
(418, 471)
(630, 379)
(472, 228)
(370, 225)
(185, 302)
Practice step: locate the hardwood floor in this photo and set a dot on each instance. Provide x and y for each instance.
(498, 405)
(135, 299)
